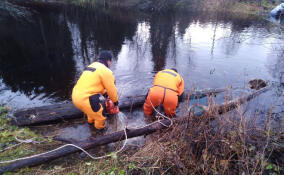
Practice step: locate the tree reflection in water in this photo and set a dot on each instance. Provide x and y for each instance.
(46, 55)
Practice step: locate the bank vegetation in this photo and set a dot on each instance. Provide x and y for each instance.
(164, 6)
(233, 143)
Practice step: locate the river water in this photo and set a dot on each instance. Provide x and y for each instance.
(42, 55)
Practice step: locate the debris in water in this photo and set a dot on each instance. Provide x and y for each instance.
(257, 84)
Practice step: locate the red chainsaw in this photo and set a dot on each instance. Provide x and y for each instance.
(111, 109)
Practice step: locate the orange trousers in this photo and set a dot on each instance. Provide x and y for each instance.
(91, 107)
(159, 95)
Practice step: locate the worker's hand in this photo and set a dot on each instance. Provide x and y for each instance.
(105, 95)
(180, 97)
(116, 103)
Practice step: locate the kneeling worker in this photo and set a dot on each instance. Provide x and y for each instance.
(96, 80)
(167, 89)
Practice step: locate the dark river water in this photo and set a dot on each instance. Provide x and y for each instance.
(42, 56)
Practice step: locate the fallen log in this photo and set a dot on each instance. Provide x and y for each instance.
(62, 112)
(227, 106)
(199, 110)
(117, 136)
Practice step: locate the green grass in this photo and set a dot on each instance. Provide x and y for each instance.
(8, 140)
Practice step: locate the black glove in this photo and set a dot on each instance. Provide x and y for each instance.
(105, 95)
(180, 98)
(115, 103)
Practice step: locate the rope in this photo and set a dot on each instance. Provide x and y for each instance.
(10, 147)
(78, 147)
(20, 142)
(157, 121)
(161, 116)
(26, 141)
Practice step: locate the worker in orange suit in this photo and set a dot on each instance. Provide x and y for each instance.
(167, 90)
(96, 80)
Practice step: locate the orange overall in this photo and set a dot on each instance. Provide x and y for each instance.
(94, 81)
(168, 86)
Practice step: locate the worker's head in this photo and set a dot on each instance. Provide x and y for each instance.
(105, 57)
(174, 69)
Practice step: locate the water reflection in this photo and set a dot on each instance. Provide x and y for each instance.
(161, 31)
(33, 59)
(99, 30)
(44, 57)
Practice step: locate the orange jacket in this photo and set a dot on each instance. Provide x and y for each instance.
(169, 79)
(96, 79)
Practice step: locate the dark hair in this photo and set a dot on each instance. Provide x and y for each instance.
(104, 56)
(174, 69)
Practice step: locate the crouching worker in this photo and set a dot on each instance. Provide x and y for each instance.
(167, 90)
(96, 80)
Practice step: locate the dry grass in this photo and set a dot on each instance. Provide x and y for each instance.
(228, 145)
(252, 7)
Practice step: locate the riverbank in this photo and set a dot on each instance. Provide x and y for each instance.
(162, 6)
(195, 145)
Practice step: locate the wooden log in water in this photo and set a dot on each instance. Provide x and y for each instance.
(117, 136)
(227, 106)
(62, 112)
